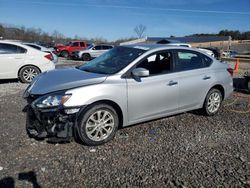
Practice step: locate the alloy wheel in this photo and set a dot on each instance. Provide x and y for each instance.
(214, 102)
(100, 125)
(29, 74)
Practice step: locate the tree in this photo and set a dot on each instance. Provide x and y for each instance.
(140, 30)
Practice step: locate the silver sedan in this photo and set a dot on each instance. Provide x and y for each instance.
(125, 86)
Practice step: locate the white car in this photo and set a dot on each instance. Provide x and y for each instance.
(209, 52)
(44, 49)
(23, 62)
(91, 52)
(180, 44)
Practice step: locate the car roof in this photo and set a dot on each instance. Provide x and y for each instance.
(20, 44)
(11, 42)
(148, 47)
(155, 47)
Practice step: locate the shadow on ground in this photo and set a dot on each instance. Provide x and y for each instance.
(9, 81)
(30, 176)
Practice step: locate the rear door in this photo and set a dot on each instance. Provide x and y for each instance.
(11, 57)
(195, 78)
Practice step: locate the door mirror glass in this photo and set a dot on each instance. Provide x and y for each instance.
(140, 72)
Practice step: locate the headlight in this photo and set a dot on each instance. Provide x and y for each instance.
(51, 100)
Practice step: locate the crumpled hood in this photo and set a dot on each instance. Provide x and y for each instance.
(61, 79)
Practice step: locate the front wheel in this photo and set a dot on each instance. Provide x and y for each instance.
(98, 125)
(212, 102)
(86, 57)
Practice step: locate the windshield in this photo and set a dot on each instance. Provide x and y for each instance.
(113, 61)
(90, 46)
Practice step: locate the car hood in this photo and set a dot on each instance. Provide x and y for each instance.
(61, 79)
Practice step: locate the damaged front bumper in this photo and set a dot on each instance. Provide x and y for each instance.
(57, 124)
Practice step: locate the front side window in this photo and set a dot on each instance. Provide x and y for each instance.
(97, 48)
(11, 49)
(158, 63)
(188, 60)
(113, 61)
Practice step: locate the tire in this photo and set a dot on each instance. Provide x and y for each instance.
(28, 73)
(65, 54)
(91, 126)
(212, 102)
(86, 57)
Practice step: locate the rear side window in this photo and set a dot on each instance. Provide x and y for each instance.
(34, 46)
(82, 44)
(106, 47)
(189, 60)
(206, 60)
(11, 49)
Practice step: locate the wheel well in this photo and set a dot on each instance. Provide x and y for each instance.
(116, 107)
(27, 66)
(221, 89)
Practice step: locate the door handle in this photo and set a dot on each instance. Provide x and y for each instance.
(171, 83)
(206, 77)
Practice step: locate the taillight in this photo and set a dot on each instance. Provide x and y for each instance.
(49, 57)
(231, 71)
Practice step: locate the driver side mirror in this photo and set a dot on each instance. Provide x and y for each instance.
(140, 72)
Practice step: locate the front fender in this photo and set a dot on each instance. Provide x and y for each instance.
(115, 92)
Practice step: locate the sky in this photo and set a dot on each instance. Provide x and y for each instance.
(115, 19)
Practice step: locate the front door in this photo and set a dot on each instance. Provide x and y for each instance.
(156, 95)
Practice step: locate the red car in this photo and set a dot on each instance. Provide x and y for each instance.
(66, 50)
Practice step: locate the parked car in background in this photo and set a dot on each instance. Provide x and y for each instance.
(209, 52)
(122, 87)
(23, 62)
(180, 44)
(91, 52)
(229, 53)
(216, 51)
(66, 50)
(44, 49)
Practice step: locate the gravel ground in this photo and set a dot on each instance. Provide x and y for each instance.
(186, 150)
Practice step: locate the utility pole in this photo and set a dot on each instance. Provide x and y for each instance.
(229, 43)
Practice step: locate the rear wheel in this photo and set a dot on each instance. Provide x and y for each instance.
(86, 57)
(212, 102)
(65, 54)
(28, 73)
(98, 125)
